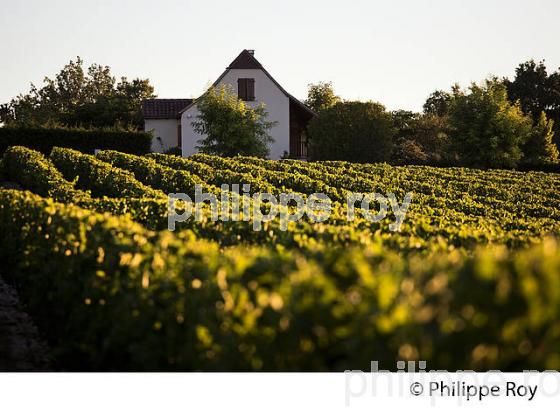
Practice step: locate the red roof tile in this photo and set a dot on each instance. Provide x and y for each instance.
(164, 108)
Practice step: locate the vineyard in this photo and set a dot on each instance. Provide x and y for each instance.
(470, 281)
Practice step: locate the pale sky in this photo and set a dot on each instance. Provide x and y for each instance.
(394, 52)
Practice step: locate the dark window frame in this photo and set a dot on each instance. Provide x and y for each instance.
(246, 89)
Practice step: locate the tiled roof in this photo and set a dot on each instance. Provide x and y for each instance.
(163, 108)
(245, 60)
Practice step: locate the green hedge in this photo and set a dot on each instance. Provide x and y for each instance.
(111, 295)
(44, 139)
(99, 177)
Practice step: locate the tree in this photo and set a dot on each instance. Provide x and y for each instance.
(409, 152)
(487, 130)
(437, 103)
(321, 96)
(351, 131)
(432, 133)
(539, 148)
(536, 91)
(420, 138)
(230, 126)
(403, 122)
(531, 87)
(76, 98)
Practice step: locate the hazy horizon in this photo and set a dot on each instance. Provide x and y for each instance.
(396, 53)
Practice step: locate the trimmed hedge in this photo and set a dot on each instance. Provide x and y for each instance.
(44, 139)
(100, 177)
(111, 295)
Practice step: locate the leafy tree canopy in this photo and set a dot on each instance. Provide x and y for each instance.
(321, 96)
(352, 131)
(91, 98)
(420, 138)
(231, 127)
(437, 103)
(537, 91)
(487, 130)
(539, 148)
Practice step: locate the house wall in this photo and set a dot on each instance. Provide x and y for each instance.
(276, 103)
(165, 133)
(189, 137)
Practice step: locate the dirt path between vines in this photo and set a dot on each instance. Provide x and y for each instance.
(21, 348)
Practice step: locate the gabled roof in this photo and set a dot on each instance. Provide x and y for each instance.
(164, 108)
(246, 61)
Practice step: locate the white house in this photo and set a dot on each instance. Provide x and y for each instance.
(171, 119)
(162, 117)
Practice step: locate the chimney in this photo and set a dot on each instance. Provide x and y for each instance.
(252, 52)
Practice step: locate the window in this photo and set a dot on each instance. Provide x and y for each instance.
(246, 89)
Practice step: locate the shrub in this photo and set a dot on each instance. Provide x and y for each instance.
(110, 295)
(35, 172)
(204, 171)
(176, 151)
(352, 131)
(281, 174)
(44, 139)
(99, 177)
(155, 175)
(214, 175)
